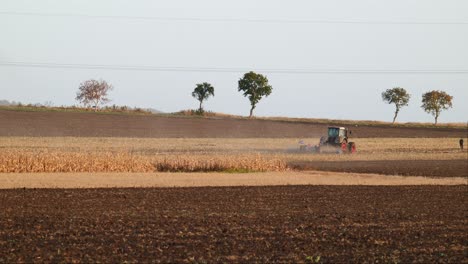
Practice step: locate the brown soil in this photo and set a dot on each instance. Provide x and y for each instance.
(327, 224)
(53, 124)
(431, 168)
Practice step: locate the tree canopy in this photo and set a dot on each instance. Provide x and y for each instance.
(397, 96)
(434, 102)
(255, 87)
(202, 92)
(93, 93)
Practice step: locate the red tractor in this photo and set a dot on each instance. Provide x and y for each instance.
(336, 142)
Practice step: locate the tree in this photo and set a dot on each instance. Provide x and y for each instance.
(397, 96)
(93, 93)
(202, 92)
(255, 87)
(434, 102)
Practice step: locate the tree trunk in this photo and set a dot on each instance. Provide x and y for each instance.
(396, 114)
(251, 111)
(200, 109)
(436, 117)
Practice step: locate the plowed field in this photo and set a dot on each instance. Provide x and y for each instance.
(308, 224)
(268, 224)
(430, 168)
(56, 124)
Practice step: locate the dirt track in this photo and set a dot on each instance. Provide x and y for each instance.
(125, 180)
(337, 224)
(54, 124)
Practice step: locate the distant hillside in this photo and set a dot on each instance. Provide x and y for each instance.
(7, 103)
(13, 103)
(153, 111)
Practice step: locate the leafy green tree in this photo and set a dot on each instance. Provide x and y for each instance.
(434, 102)
(255, 87)
(202, 92)
(397, 96)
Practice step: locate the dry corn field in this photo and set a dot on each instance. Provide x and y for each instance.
(32, 161)
(70, 154)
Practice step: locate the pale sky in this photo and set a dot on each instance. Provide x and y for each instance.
(401, 35)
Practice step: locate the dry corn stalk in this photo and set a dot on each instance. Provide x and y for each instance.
(45, 161)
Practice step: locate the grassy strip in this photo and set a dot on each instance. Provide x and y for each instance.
(119, 110)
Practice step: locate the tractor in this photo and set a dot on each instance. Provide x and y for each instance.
(336, 142)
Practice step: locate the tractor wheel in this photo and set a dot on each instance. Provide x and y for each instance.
(343, 147)
(351, 147)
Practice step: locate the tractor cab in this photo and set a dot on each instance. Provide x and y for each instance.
(337, 135)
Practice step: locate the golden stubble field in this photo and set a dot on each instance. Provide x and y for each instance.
(70, 154)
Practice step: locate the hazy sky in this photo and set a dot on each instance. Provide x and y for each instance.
(399, 35)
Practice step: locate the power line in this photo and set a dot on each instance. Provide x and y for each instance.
(237, 20)
(223, 70)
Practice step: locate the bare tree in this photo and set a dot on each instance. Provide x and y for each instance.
(93, 93)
